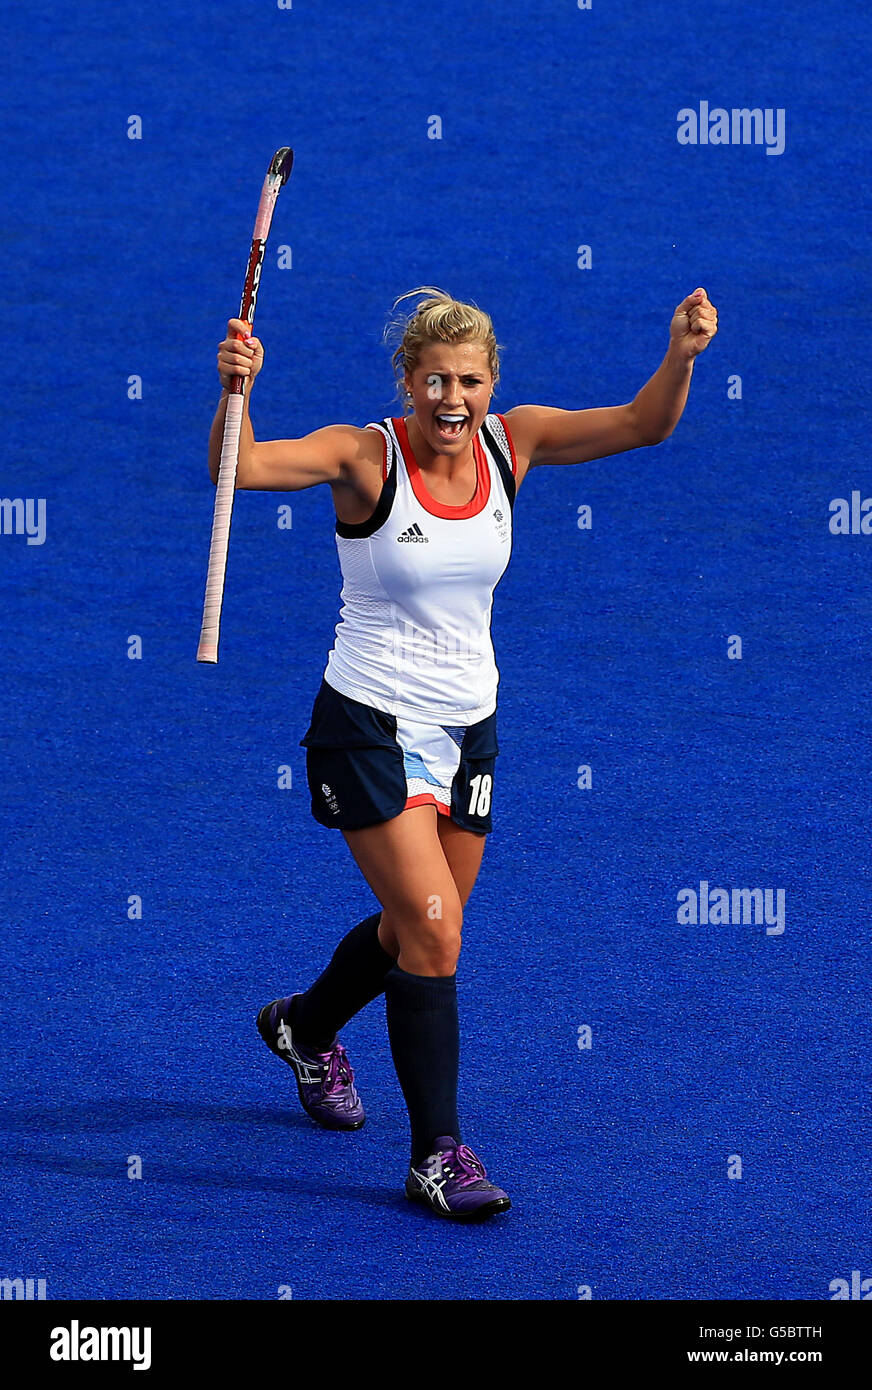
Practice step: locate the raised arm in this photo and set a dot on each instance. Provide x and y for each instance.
(278, 465)
(547, 435)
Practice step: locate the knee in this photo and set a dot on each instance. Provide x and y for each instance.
(439, 953)
(430, 945)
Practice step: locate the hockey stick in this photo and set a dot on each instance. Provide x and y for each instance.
(277, 175)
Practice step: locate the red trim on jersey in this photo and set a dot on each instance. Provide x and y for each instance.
(419, 487)
(384, 440)
(427, 799)
(503, 422)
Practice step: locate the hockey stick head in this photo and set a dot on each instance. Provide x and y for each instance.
(282, 164)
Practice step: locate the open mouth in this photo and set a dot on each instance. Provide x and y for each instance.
(450, 426)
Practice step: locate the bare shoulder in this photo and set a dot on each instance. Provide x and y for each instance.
(523, 436)
(357, 487)
(362, 453)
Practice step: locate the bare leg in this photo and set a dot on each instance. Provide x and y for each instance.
(421, 868)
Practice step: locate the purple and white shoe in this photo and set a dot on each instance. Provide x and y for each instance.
(325, 1081)
(452, 1182)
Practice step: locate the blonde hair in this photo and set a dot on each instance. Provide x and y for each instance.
(439, 318)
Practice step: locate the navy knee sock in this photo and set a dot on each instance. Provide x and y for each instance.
(425, 1044)
(354, 977)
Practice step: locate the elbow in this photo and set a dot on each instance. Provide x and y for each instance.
(647, 434)
(651, 439)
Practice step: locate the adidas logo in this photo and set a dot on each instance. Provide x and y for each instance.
(414, 533)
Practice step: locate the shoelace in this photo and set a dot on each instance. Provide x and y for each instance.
(338, 1072)
(472, 1168)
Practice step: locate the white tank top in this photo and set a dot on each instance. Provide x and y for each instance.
(418, 578)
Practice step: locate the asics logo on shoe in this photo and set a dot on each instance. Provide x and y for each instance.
(431, 1185)
(308, 1071)
(413, 533)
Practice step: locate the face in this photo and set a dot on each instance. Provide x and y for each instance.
(451, 379)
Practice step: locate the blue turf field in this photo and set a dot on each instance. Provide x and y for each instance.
(158, 777)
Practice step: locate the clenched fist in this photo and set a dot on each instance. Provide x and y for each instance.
(239, 358)
(694, 324)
